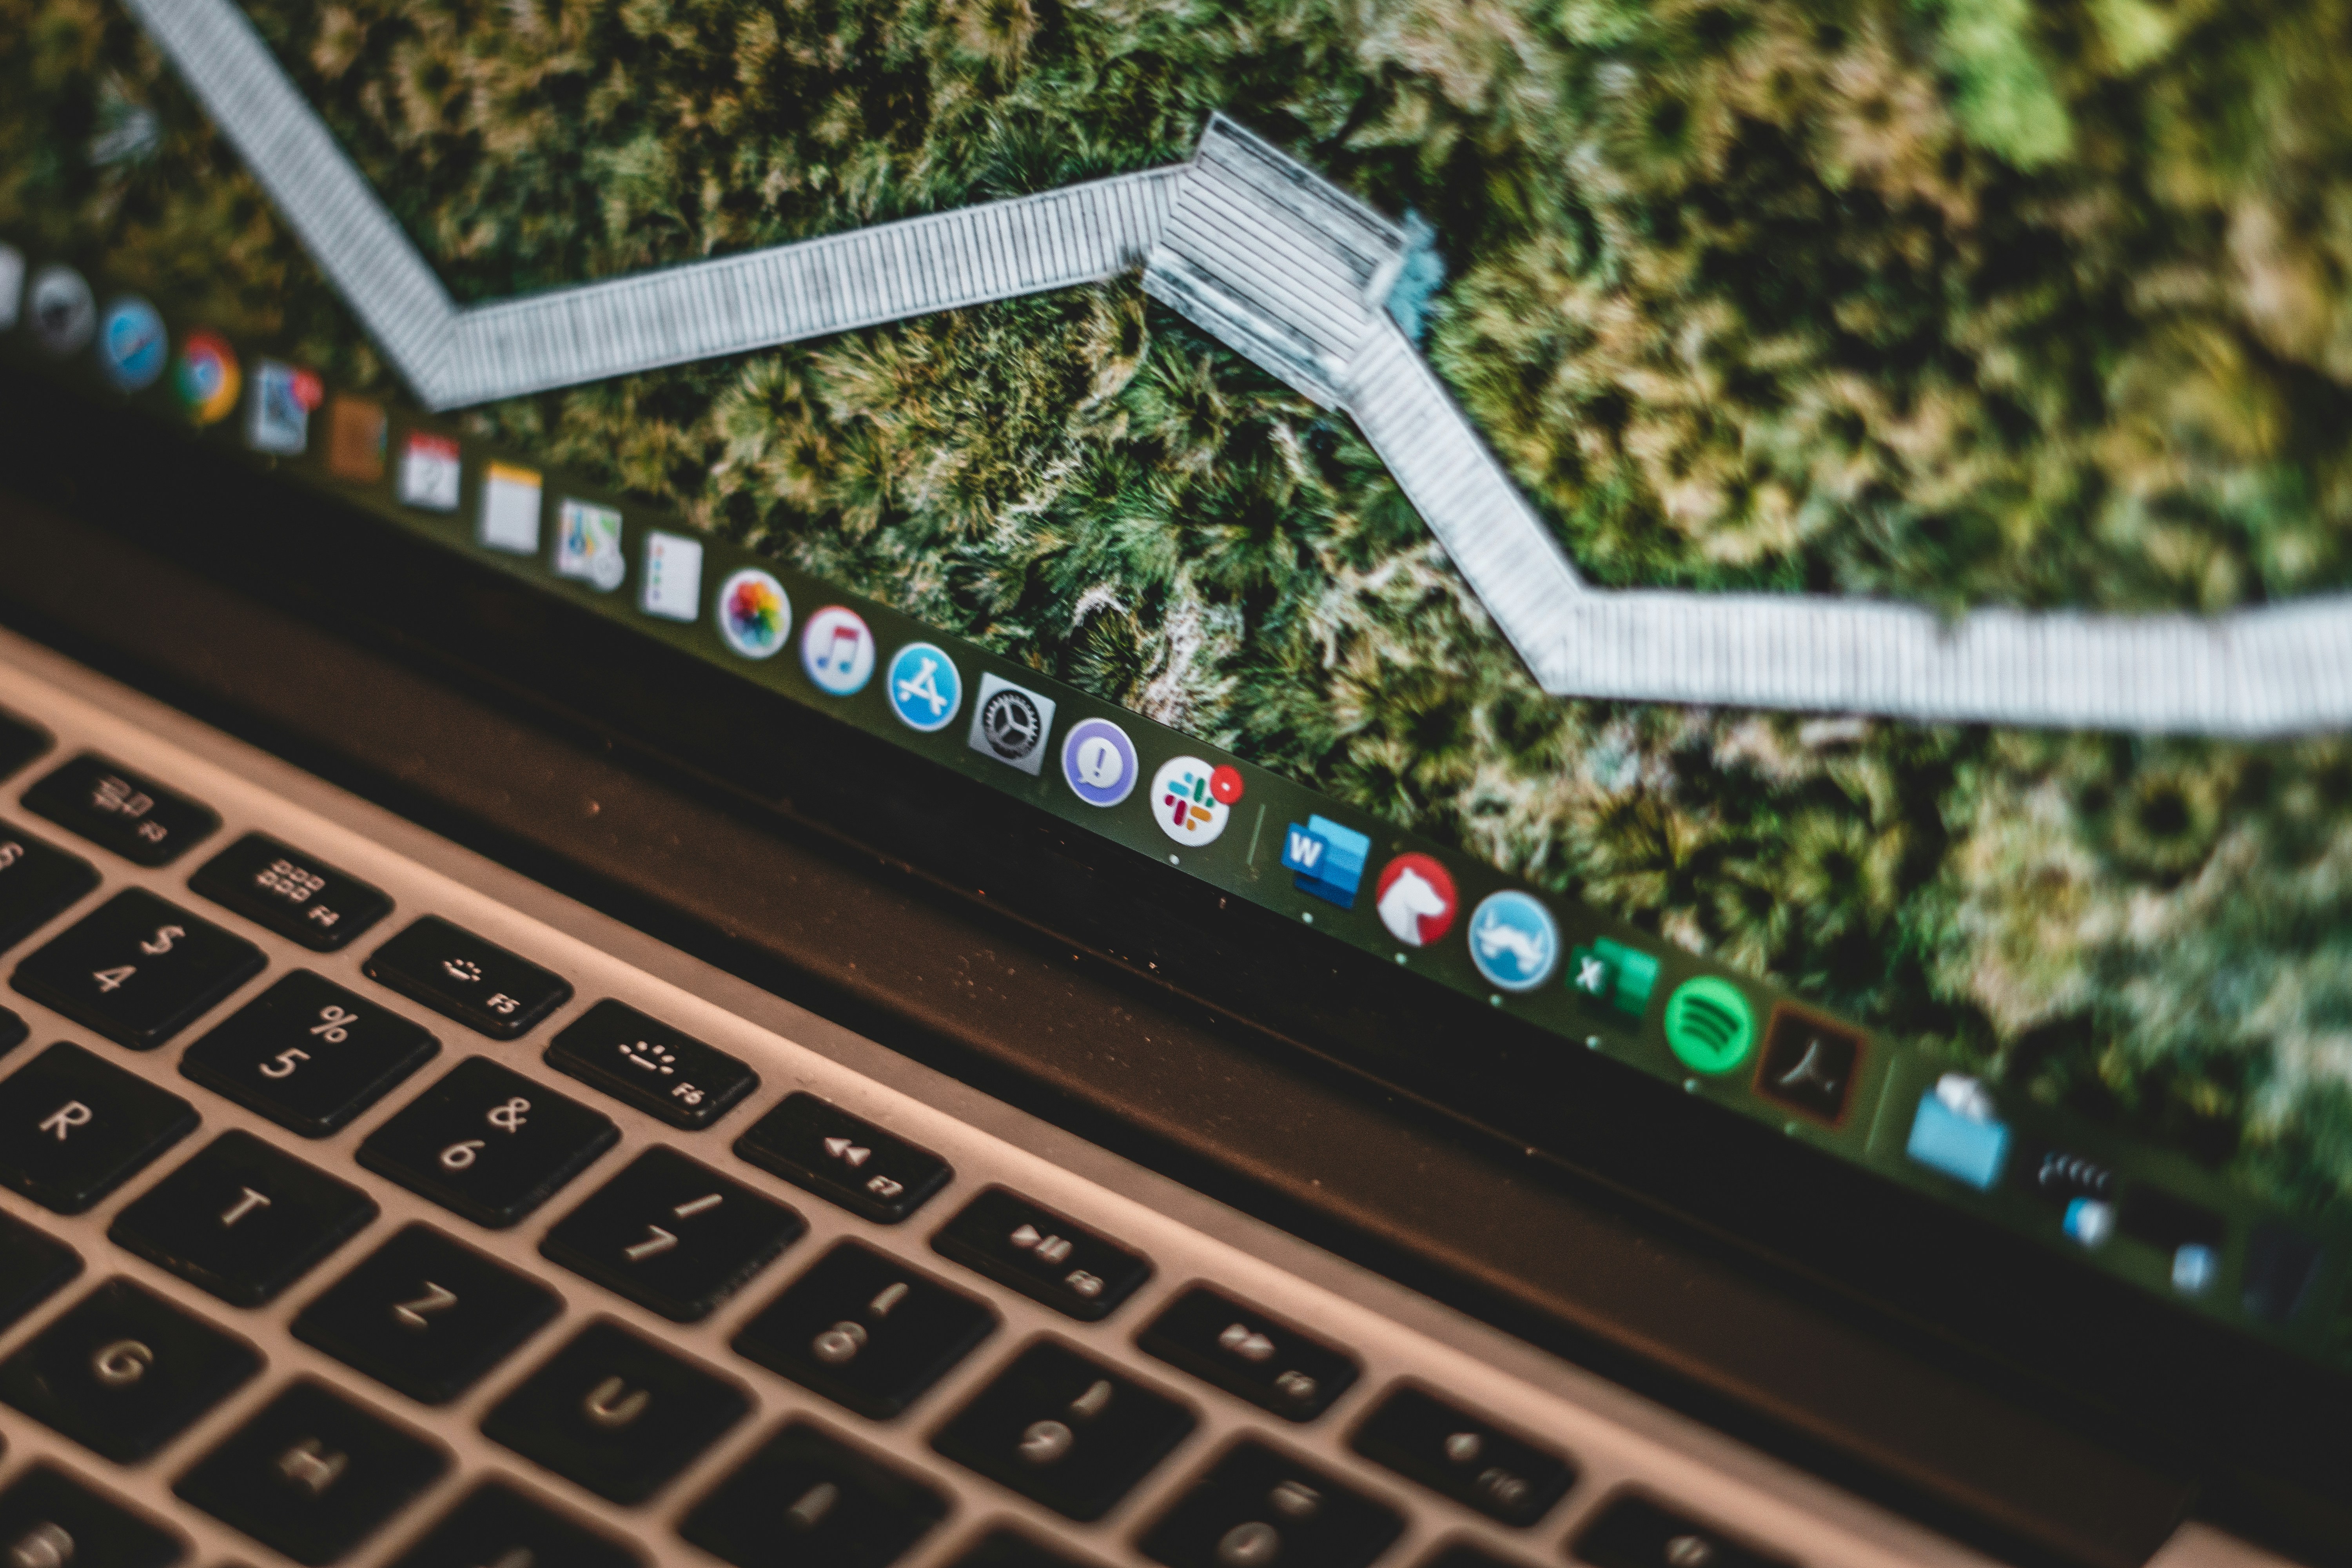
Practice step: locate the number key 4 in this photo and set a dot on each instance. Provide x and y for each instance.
(137, 969)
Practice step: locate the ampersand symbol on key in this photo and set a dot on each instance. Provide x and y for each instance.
(508, 1117)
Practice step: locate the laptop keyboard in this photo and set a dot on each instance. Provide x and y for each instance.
(351, 1217)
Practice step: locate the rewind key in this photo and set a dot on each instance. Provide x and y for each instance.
(844, 1158)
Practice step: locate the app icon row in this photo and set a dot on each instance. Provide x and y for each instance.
(133, 349)
(1514, 941)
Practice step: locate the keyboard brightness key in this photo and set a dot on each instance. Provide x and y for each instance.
(460, 975)
(643, 1062)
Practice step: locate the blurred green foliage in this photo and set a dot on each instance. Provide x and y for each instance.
(1961, 301)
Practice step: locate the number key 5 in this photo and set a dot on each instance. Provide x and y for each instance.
(308, 1055)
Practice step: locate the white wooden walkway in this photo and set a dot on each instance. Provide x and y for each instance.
(1274, 260)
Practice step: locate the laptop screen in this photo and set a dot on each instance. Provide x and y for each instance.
(1802, 555)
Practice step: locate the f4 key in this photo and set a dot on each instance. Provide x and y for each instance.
(295, 895)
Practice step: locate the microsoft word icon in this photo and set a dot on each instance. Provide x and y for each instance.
(1329, 859)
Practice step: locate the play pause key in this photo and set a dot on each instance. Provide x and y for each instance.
(1041, 1255)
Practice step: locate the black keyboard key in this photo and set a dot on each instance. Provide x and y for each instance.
(122, 1373)
(498, 1527)
(33, 1267)
(1064, 1430)
(1634, 1533)
(12, 1031)
(614, 1414)
(21, 741)
(296, 895)
(672, 1235)
(1450, 1451)
(74, 1127)
(425, 1316)
(37, 882)
(460, 975)
(48, 1520)
(1243, 1351)
(1041, 1255)
(807, 1498)
(138, 970)
(865, 1329)
(242, 1220)
(311, 1476)
(1008, 1549)
(307, 1054)
(643, 1062)
(487, 1143)
(116, 809)
(843, 1158)
(1256, 1507)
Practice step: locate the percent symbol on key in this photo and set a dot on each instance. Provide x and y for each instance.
(334, 1024)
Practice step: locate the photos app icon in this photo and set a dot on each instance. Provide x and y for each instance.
(754, 615)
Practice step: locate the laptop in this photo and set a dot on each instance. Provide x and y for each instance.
(1050, 786)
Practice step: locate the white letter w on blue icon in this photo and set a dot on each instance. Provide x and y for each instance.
(1329, 859)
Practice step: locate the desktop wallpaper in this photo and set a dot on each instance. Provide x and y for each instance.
(1961, 304)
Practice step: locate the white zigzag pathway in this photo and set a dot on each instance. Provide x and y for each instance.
(1294, 273)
